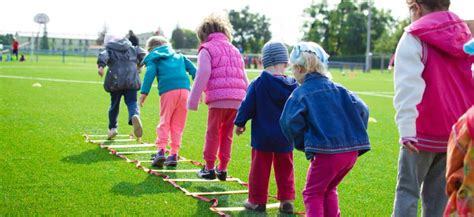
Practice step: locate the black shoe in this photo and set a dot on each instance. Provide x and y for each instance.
(286, 207)
(159, 159)
(255, 207)
(206, 174)
(221, 175)
(171, 161)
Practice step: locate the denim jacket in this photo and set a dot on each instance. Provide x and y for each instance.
(323, 117)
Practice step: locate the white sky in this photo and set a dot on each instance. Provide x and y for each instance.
(85, 18)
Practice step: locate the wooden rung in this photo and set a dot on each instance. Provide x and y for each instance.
(227, 209)
(219, 192)
(149, 161)
(175, 171)
(112, 140)
(202, 180)
(129, 146)
(136, 152)
(121, 135)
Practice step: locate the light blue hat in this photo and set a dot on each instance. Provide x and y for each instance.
(469, 47)
(309, 47)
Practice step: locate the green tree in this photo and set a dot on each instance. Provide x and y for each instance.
(389, 40)
(191, 41)
(177, 38)
(44, 44)
(251, 30)
(102, 33)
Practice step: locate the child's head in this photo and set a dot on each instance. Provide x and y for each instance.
(419, 8)
(156, 41)
(275, 56)
(214, 23)
(309, 57)
(110, 38)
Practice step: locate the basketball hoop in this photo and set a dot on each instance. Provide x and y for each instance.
(41, 18)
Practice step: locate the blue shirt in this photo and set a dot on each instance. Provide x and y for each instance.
(263, 104)
(323, 117)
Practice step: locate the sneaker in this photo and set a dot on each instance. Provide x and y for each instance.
(159, 159)
(221, 175)
(206, 174)
(255, 207)
(137, 126)
(112, 133)
(286, 206)
(172, 160)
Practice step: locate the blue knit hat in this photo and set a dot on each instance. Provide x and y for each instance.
(469, 47)
(274, 52)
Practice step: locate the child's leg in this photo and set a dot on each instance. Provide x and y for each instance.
(324, 174)
(226, 133)
(433, 194)
(212, 137)
(114, 108)
(167, 107)
(259, 176)
(178, 121)
(131, 102)
(284, 175)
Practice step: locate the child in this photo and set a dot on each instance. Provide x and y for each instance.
(169, 68)
(222, 77)
(433, 88)
(123, 61)
(460, 164)
(328, 123)
(263, 104)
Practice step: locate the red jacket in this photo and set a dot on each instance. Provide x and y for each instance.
(15, 45)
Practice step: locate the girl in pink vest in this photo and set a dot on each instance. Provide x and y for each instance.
(434, 86)
(221, 76)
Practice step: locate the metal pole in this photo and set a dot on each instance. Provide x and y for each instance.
(367, 53)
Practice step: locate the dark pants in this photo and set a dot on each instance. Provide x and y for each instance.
(15, 52)
(131, 101)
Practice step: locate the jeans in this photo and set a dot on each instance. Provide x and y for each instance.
(131, 102)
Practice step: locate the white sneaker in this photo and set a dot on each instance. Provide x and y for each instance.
(112, 133)
(137, 126)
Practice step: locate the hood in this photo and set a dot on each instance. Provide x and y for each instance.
(120, 45)
(278, 88)
(443, 30)
(164, 51)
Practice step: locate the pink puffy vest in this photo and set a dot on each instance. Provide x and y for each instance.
(227, 81)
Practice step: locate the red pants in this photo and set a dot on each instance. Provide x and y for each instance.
(260, 174)
(220, 127)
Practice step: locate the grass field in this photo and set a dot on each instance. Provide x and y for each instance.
(47, 168)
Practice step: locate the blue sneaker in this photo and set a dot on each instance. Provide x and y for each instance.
(159, 159)
(172, 160)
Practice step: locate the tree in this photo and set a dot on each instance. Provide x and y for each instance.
(389, 40)
(191, 40)
(251, 30)
(100, 39)
(177, 38)
(44, 44)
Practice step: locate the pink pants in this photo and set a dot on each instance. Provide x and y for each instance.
(324, 175)
(220, 127)
(172, 119)
(260, 174)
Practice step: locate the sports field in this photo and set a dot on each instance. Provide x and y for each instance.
(47, 168)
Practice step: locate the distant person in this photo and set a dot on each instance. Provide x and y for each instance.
(433, 88)
(263, 104)
(22, 58)
(133, 38)
(123, 61)
(221, 75)
(15, 46)
(328, 123)
(170, 69)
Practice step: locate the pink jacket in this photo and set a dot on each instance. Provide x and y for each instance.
(227, 80)
(447, 73)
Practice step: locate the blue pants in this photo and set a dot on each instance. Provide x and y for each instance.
(131, 102)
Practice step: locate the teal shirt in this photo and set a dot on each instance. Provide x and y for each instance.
(169, 68)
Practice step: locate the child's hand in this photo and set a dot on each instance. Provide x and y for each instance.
(239, 130)
(201, 99)
(142, 99)
(101, 71)
(410, 143)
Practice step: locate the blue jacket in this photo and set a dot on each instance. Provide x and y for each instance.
(323, 117)
(169, 68)
(264, 102)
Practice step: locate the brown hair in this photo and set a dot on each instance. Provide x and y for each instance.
(214, 23)
(155, 41)
(432, 5)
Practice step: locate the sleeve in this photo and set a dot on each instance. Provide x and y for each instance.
(150, 74)
(292, 122)
(141, 53)
(202, 77)
(408, 83)
(362, 108)
(103, 58)
(247, 108)
(190, 68)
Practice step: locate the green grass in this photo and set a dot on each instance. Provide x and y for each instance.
(47, 168)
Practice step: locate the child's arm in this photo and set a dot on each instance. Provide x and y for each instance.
(362, 108)
(409, 84)
(141, 53)
(246, 110)
(190, 67)
(150, 74)
(292, 122)
(102, 61)
(202, 77)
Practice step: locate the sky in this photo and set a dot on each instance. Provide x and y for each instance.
(85, 18)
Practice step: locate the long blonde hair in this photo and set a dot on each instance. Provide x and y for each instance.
(214, 23)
